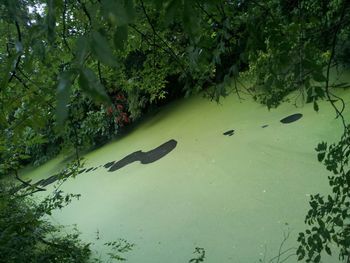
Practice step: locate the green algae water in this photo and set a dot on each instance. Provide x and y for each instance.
(235, 196)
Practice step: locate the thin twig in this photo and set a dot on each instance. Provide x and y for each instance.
(236, 89)
(19, 37)
(334, 43)
(266, 9)
(168, 49)
(285, 237)
(153, 30)
(27, 184)
(160, 38)
(207, 14)
(86, 12)
(99, 71)
(64, 25)
(281, 253)
(21, 81)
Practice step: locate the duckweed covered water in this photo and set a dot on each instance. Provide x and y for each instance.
(235, 196)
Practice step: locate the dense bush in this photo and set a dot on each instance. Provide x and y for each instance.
(28, 236)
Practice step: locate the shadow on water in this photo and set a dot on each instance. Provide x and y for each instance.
(144, 157)
(147, 157)
(291, 118)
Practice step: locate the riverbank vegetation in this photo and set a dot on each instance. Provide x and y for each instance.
(74, 74)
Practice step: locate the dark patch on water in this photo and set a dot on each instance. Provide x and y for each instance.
(229, 133)
(107, 165)
(264, 126)
(291, 118)
(145, 157)
(49, 180)
(39, 182)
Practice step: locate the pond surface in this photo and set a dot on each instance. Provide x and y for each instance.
(237, 179)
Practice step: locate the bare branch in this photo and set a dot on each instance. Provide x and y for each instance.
(19, 37)
(334, 43)
(64, 25)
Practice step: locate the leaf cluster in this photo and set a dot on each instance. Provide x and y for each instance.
(329, 215)
(28, 236)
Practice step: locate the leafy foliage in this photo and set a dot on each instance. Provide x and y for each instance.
(329, 215)
(27, 235)
(74, 73)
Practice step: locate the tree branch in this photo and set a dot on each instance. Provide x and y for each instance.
(168, 49)
(334, 43)
(19, 37)
(26, 184)
(64, 25)
(86, 12)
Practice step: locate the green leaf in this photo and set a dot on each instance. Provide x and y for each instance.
(316, 108)
(63, 94)
(24, 156)
(102, 50)
(19, 46)
(190, 20)
(2, 147)
(120, 37)
(319, 92)
(171, 11)
(130, 10)
(118, 12)
(6, 70)
(310, 65)
(158, 3)
(51, 21)
(301, 256)
(89, 83)
(321, 147)
(318, 76)
(338, 221)
(82, 48)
